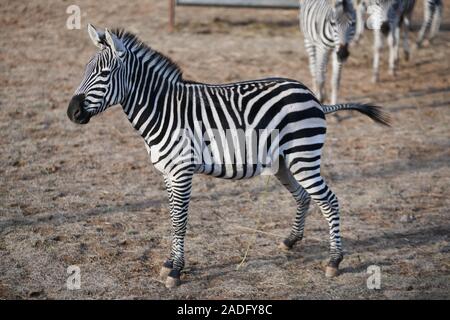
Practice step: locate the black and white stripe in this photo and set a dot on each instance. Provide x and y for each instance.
(388, 17)
(431, 20)
(328, 26)
(174, 116)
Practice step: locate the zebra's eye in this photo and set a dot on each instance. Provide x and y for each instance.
(105, 73)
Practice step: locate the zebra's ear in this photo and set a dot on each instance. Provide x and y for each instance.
(114, 42)
(95, 36)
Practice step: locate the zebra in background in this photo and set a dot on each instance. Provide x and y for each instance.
(328, 26)
(167, 110)
(432, 20)
(387, 17)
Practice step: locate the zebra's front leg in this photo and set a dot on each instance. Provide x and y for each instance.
(168, 264)
(311, 50)
(377, 46)
(336, 78)
(393, 50)
(302, 199)
(179, 197)
(322, 55)
(361, 8)
(406, 26)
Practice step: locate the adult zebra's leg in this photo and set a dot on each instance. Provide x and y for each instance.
(437, 17)
(393, 49)
(406, 29)
(427, 19)
(322, 195)
(311, 50)
(360, 10)
(302, 199)
(336, 78)
(377, 46)
(179, 196)
(322, 55)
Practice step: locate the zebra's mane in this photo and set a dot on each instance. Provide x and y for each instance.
(134, 44)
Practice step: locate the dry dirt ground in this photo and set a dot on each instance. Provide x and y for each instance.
(88, 195)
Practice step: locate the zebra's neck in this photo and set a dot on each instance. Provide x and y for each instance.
(153, 81)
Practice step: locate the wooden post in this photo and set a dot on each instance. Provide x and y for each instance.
(171, 15)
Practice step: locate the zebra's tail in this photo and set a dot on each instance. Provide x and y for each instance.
(374, 112)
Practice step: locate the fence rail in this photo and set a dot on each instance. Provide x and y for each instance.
(294, 4)
(274, 4)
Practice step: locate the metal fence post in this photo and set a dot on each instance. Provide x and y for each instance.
(171, 15)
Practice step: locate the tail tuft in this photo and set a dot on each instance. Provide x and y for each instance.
(375, 113)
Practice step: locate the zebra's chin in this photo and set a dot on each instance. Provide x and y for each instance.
(76, 111)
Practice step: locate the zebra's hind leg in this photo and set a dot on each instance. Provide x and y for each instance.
(322, 195)
(179, 190)
(302, 199)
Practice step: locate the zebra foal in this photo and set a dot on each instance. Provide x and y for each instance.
(184, 125)
(328, 26)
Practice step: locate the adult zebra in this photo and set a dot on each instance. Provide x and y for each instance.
(431, 20)
(176, 117)
(327, 25)
(387, 17)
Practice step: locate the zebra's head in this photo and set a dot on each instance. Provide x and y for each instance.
(104, 78)
(381, 14)
(343, 22)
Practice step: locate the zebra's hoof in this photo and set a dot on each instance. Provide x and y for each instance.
(407, 56)
(331, 272)
(164, 273)
(284, 247)
(172, 282)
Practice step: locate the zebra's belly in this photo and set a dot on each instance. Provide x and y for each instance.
(237, 171)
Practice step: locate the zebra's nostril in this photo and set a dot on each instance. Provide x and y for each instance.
(77, 113)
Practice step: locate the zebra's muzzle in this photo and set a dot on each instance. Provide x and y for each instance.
(76, 112)
(343, 53)
(385, 28)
